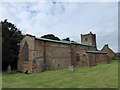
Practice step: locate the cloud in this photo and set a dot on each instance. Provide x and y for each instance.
(66, 19)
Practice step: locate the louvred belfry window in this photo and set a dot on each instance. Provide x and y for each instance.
(25, 52)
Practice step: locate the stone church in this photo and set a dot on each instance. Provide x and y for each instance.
(40, 54)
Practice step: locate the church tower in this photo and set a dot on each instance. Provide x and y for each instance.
(88, 39)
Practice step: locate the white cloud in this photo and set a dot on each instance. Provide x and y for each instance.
(60, 0)
(65, 19)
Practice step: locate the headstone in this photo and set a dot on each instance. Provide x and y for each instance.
(9, 70)
(70, 69)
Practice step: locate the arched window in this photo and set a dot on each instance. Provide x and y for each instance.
(25, 52)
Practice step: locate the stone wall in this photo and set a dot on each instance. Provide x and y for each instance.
(102, 58)
(38, 59)
(57, 55)
(92, 59)
(54, 55)
(98, 58)
(110, 53)
(24, 66)
(83, 60)
(88, 39)
(47, 55)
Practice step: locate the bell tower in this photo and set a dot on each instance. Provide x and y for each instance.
(89, 38)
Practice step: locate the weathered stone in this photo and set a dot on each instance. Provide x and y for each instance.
(70, 69)
(48, 54)
(89, 39)
(110, 53)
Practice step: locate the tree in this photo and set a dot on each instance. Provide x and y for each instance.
(66, 39)
(50, 36)
(11, 38)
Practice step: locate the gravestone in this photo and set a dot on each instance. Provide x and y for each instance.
(70, 69)
(9, 70)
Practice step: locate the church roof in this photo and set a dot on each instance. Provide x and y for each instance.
(95, 52)
(106, 47)
(65, 42)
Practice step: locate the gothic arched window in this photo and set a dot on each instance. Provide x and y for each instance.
(25, 52)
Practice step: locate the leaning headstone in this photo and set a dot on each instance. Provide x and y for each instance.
(9, 70)
(70, 69)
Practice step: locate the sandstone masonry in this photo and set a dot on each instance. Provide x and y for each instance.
(40, 54)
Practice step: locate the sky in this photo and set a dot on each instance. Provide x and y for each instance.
(66, 19)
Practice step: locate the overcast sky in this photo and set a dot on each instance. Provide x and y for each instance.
(66, 19)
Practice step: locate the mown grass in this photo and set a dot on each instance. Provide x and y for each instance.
(101, 76)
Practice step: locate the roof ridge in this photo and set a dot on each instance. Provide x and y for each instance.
(66, 42)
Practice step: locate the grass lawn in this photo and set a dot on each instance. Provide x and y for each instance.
(101, 76)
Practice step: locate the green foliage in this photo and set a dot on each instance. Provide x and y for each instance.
(11, 38)
(101, 76)
(66, 39)
(53, 37)
(50, 36)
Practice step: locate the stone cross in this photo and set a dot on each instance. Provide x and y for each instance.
(70, 69)
(9, 70)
